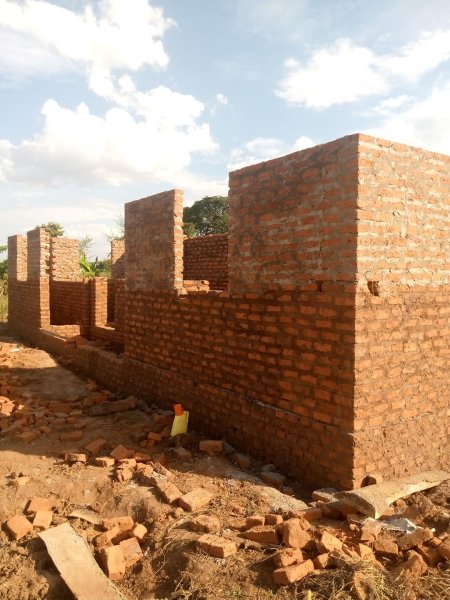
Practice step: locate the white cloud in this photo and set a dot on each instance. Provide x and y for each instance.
(345, 72)
(76, 145)
(264, 148)
(425, 123)
(114, 38)
(272, 18)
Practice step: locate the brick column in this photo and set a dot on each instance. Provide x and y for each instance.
(17, 258)
(117, 259)
(38, 254)
(154, 242)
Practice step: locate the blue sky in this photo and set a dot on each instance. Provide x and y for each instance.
(107, 101)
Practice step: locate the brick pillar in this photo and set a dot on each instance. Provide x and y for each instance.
(38, 254)
(154, 242)
(117, 259)
(17, 258)
(99, 301)
(38, 270)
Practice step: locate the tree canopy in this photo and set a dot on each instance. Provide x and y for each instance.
(206, 216)
(54, 229)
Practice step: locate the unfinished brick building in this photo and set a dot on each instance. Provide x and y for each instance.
(322, 341)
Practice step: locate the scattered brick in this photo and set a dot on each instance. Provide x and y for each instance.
(287, 557)
(182, 453)
(113, 562)
(72, 436)
(104, 461)
(139, 531)
(125, 523)
(287, 575)
(272, 520)
(18, 526)
(430, 555)
(211, 447)
(195, 499)
(132, 552)
(322, 561)
(409, 540)
(309, 514)
(206, 524)
(124, 474)
(243, 461)
(328, 543)
(217, 546)
(370, 530)
(293, 535)
(256, 520)
(168, 491)
(120, 452)
(37, 504)
(263, 534)
(444, 549)
(95, 446)
(43, 519)
(411, 569)
(75, 458)
(105, 538)
(386, 547)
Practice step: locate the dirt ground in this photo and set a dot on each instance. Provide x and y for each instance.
(57, 407)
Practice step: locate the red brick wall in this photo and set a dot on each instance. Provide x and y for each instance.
(70, 303)
(293, 219)
(402, 344)
(291, 350)
(206, 258)
(38, 245)
(28, 304)
(154, 241)
(64, 259)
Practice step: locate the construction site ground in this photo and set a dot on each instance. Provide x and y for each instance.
(56, 414)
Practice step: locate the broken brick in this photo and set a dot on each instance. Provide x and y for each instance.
(309, 514)
(74, 458)
(287, 575)
(272, 520)
(38, 504)
(322, 561)
(123, 523)
(328, 543)
(409, 540)
(287, 557)
(205, 523)
(104, 461)
(95, 446)
(139, 531)
(120, 452)
(217, 546)
(18, 526)
(132, 552)
(113, 562)
(444, 549)
(43, 519)
(370, 530)
(386, 547)
(195, 499)
(182, 453)
(411, 569)
(256, 520)
(168, 491)
(105, 538)
(264, 534)
(293, 535)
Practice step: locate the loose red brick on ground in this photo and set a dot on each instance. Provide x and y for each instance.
(18, 526)
(287, 556)
(195, 499)
(38, 503)
(287, 575)
(132, 552)
(43, 519)
(264, 534)
(217, 546)
(113, 562)
(293, 535)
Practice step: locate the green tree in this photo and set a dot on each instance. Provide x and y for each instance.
(86, 244)
(3, 264)
(206, 216)
(54, 229)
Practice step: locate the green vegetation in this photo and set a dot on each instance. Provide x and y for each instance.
(54, 229)
(206, 216)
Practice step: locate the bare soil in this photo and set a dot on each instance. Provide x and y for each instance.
(173, 566)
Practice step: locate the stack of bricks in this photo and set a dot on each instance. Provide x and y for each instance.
(206, 258)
